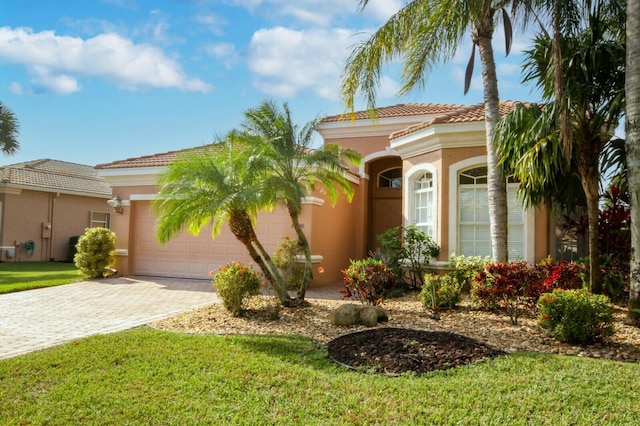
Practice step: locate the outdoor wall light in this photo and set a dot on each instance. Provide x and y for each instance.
(116, 203)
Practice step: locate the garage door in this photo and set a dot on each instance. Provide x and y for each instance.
(188, 256)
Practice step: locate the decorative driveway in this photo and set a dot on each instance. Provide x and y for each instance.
(37, 319)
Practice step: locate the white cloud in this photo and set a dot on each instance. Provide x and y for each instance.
(56, 62)
(16, 88)
(224, 51)
(213, 22)
(286, 62)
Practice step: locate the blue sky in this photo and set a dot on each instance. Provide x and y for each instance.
(94, 81)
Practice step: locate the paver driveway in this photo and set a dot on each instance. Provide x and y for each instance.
(36, 319)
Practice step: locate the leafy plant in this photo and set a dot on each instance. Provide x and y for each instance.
(408, 250)
(284, 258)
(368, 280)
(465, 268)
(576, 316)
(440, 291)
(95, 252)
(235, 283)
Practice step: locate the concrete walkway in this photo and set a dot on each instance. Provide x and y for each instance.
(36, 319)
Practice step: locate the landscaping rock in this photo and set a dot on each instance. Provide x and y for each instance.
(350, 314)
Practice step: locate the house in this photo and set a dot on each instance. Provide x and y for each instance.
(43, 203)
(424, 164)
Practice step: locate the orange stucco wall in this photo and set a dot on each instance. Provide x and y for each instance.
(27, 216)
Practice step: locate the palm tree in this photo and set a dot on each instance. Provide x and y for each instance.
(633, 150)
(216, 184)
(294, 168)
(423, 33)
(530, 139)
(9, 125)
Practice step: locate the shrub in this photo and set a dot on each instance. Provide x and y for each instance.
(368, 280)
(559, 274)
(95, 252)
(407, 249)
(71, 250)
(284, 258)
(440, 291)
(465, 269)
(576, 316)
(235, 283)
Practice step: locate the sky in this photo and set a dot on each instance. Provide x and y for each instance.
(95, 81)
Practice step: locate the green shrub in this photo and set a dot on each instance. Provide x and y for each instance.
(284, 257)
(71, 250)
(465, 269)
(95, 252)
(443, 289)
(576, 316)
(235, 283)
(369, 280)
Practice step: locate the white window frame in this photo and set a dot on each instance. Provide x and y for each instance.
(529, 216)
(412, 174)
(93, 222)
(390, 180)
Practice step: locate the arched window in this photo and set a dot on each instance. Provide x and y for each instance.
(390, 178)
(423, 214)
(474, 237)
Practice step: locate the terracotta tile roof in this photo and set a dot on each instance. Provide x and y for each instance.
(153, 160)
(400, 110)
(54, 175)
(462, 114)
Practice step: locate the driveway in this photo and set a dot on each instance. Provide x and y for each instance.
(36, 319)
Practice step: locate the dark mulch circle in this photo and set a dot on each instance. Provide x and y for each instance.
(395, 351)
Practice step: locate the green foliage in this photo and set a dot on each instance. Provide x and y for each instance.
(407, 251)
(465, 269)
(284, 258)
(576, 316)
(440, 291)
(95, 251)
(71, 251)
(235, 283)
(369, 280)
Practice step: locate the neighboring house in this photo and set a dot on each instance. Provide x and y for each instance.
(424, 164)
(43, 203)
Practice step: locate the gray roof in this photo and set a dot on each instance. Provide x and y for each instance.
(53, 175)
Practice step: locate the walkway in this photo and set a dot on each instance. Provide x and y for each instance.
(36, 319)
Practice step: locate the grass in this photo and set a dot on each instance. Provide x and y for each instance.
(146, 376)
(18, 276)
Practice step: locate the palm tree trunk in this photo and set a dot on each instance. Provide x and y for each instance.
(632, 89)
(497, 188)
(304, 243)
(590, 186)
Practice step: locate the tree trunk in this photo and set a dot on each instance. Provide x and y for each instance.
(632, 90)
(590, 187)
(497, 188)
(304, 243)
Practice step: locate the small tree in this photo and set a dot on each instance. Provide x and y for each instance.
(95, 251)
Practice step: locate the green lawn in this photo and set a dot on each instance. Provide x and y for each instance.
(152, 377)
(17, 276)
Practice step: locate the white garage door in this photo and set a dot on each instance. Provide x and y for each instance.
(187, 256)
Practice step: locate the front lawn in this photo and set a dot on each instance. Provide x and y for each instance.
(146, 376)
(17, 276)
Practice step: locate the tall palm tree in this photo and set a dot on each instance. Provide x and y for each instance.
(9, 126)
(530, 139)
(294, 168)
(212, 185)
(633, 150)
(423, 33)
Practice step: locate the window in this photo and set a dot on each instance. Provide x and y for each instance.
(474, 235)
(99, 219)
(391, 178)
(423, 214)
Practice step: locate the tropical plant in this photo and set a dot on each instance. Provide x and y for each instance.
(294, 168)
(632, 126)
(422, 33)
(9, 126)
(95, 252)
(285, 258)
(216, 184)
(440, 291)
(369, 280)
(529, 140)
(235, 283)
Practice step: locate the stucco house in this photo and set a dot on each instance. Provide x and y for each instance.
(424, 164)
(43, 203)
